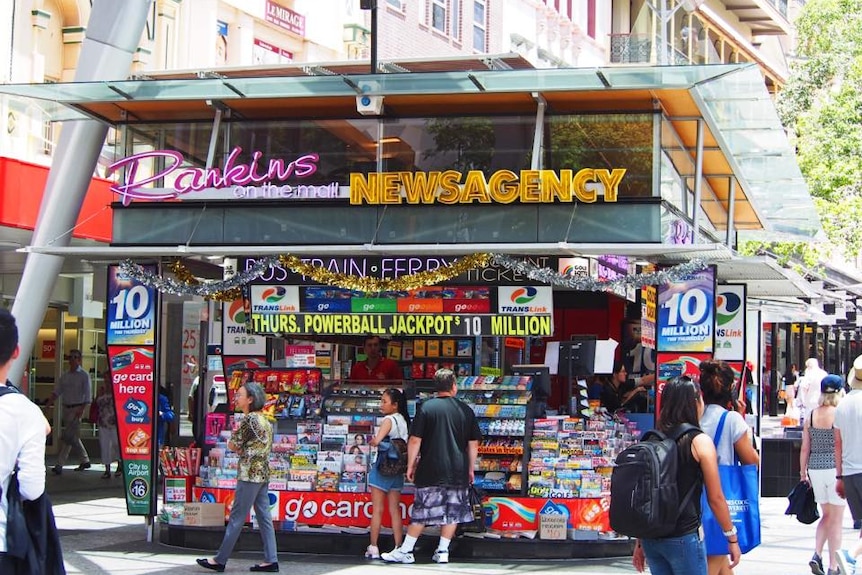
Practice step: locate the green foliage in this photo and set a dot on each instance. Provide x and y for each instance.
(470, 139)
(797, 255)
(822, 104)
(606, 141)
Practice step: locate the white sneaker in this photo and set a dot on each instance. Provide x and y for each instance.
(372, 552)
(440, 556)
(398, 556)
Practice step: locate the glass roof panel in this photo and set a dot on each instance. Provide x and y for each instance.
(742, 117)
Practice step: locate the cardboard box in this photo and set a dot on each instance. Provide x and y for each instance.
(204, 514)
(552, 527)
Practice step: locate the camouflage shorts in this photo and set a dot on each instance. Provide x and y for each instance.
(441, 506)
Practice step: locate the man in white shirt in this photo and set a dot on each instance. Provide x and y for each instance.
(848, 458)
(22, 436)
(808, 395)
(75, 389)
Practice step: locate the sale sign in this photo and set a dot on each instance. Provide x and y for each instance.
(686, 314)
(134, 393)
(131, 309)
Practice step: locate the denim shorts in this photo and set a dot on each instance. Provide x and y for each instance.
(384, 482)
(683, 555)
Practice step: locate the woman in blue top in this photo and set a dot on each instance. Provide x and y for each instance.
(716, 382)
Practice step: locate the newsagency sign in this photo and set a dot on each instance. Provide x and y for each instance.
(401, 324)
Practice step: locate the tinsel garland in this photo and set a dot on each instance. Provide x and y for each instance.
(187, 284)
(581, 283)
(230, 289)
(375, 285)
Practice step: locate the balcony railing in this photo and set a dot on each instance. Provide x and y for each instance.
(630, 48)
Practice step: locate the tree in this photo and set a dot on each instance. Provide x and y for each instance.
(822, 104)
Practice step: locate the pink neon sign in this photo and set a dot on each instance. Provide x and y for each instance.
(189, 179)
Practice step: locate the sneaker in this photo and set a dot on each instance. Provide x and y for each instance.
(57, 470)
(398, 556)
(440, 556)
(846, 562)
(83, 466)
(372, 552)
(816, 564)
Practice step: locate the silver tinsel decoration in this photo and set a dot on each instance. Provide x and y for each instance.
(203, 289)
(583, 283)
(548, 276)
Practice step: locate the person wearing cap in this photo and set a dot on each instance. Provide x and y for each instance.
(848, 457)
(817, 468)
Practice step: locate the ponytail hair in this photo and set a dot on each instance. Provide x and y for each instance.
(717, 382)
(397, 397)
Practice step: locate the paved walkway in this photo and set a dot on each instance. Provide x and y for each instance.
(99, 538)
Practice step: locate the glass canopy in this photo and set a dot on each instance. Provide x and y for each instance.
(732, 99)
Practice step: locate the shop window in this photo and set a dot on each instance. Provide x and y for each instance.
(605, 141)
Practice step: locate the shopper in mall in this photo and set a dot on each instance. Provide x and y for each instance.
(386, 489)
(848, 459)
(375, 367)
(717, 383)
(441, 456)
(817, 468)
(75, 388)
(252, 441)
(683, 552)
(108, 440)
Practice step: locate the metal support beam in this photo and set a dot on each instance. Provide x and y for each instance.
(698, 183)
(539, 133)
(214, 137)
(110, 42)
(731, 211)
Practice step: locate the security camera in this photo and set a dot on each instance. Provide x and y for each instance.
(369, 105)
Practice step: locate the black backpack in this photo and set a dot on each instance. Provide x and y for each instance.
(645, 499)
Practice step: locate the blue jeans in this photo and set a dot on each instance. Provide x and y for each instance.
(685, 555)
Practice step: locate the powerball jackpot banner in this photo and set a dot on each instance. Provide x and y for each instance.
(686, 314)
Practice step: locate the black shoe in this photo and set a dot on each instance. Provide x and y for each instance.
(57, 470)
(205, 563)
(271, 568)
(816, 565)
(83, 466)
(857, 524)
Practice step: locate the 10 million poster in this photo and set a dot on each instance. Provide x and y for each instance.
(131, 334)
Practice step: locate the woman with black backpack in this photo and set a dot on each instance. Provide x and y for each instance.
(682, 552)
(385, 485)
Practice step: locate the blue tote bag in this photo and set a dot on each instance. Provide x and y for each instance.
(739, 483)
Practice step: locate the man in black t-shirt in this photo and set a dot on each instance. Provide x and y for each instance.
(441, 455)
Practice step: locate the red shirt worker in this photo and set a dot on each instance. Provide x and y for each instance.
(375, 367)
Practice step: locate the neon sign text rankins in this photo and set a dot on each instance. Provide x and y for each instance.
(189, 179)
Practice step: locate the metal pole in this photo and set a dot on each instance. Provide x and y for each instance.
(112, 36)
(698, 177)
(773, 373)
(373, 36)
(731, 211)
